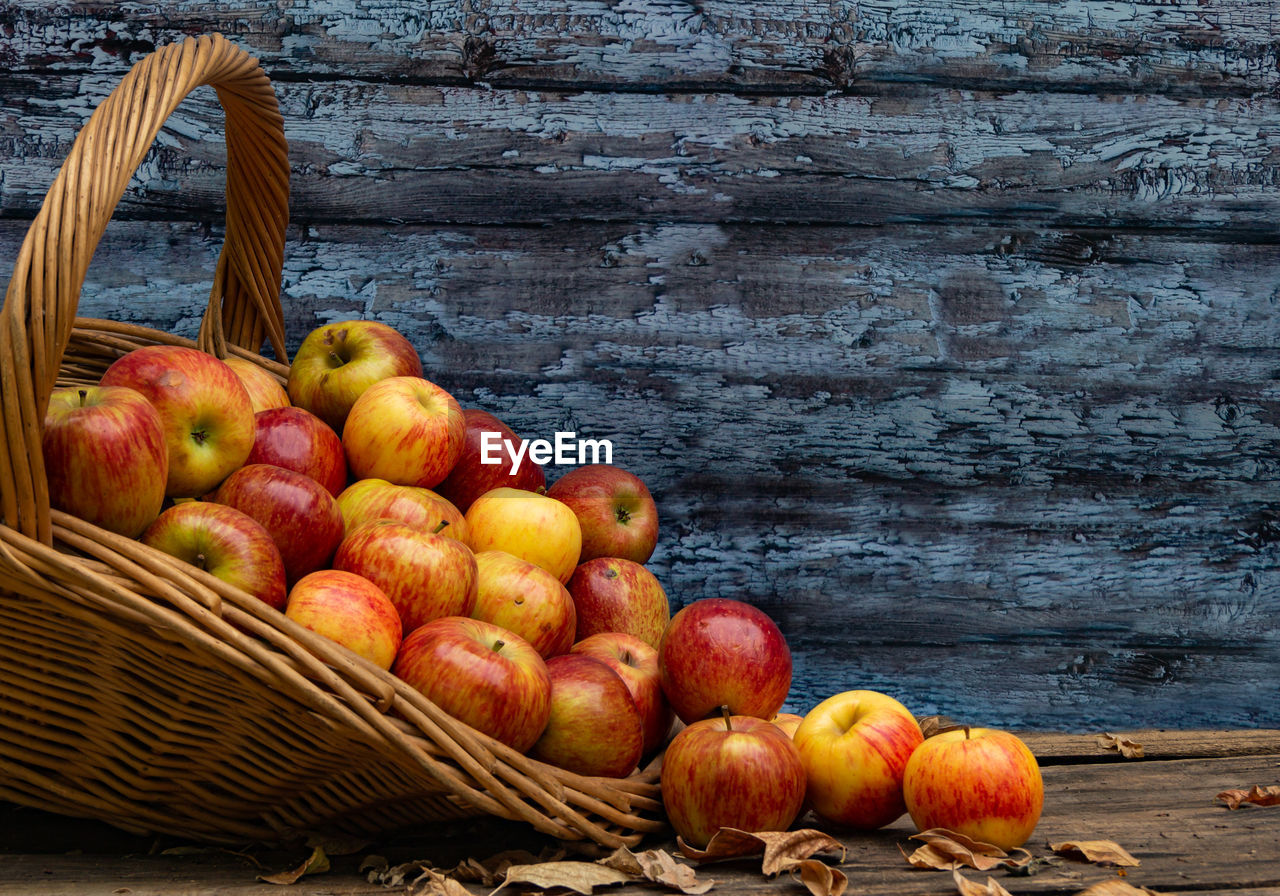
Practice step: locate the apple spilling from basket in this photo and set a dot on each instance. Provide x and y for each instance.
(361, 500)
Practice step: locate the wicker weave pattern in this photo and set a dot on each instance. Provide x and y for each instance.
(139, 690)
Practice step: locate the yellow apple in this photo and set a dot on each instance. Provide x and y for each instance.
(855, 747)
(531, 526)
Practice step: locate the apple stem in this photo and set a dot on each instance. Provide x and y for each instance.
(201, 561)
(440, 528)
(84, 396)
(966, 732)
(498, 645)
(724, 711)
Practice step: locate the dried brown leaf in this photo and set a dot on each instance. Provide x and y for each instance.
(819, 878)
(1116, 887)
(624, 860)
(316, 863)
(1100, 852)
(968, 887)
(579, 877)
(434, 883)
(659, 867)
(1126, 747)
(948, 850)
(931, 725)
(1256, 795)
(781, 850)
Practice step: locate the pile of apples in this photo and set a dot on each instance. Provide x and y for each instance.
(355, 499)
(361, 500)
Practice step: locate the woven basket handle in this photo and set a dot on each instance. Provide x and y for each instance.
(40, 304)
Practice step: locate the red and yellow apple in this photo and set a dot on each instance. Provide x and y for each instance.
(618, 515)
(350, 610)
(981, 782)
(404, 429)
(723, 652)
(532, 526)
(731, 771)
(336, 362)
(105, 456)
(637, 665)
(482, 675)
(298, 440)
(488, 461)
(366, 500)
(207, 416)
(224, 542)
(788, 722)
(299, 513)
(613, 594)
(426, 575)
(525, 599)
(594, 728)
(265, 391)
(855, 746)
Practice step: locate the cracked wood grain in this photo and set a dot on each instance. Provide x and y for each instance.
(1202, 47)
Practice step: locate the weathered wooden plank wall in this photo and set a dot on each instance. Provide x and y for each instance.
(945, 331)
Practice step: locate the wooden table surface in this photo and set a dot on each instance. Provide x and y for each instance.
(1162, 808)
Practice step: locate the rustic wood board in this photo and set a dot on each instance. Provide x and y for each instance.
(427, 153)
(1214, 46)
(1165, 813)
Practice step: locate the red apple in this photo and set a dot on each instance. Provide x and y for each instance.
(207, 416)
(350, 610)
(731, 772)
(299, 513)
(366, 500)
(855, 746)
(487, 461)
(617, 514)
(224, 542)
(612, 594)
(482, 675)
(426, 575)
(105, 456)
(980, 782)
(406, 430)
(723, 652)
(265, 391)
(637, 665)
(525, 599)
(299, 440)
(336, 362)
(534, 527)
(594, 728)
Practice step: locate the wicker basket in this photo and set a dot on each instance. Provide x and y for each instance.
(136, 689)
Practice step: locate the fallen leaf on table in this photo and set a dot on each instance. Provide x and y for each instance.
(316, 863)
(433, 883)
(659, 867)
(819, 878)
(580, 877)
(781, 849)
(1129, 749)
(1100, 852)
(947, 850)
(491, 870)
(1116, 887)
(968, 887)
(1257, 795)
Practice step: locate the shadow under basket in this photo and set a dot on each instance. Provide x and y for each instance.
(138, 690)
